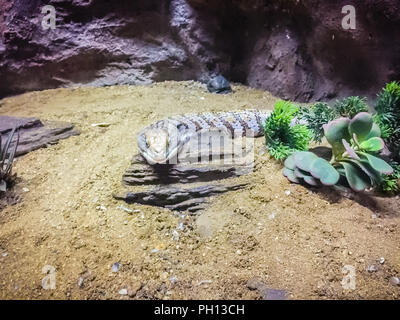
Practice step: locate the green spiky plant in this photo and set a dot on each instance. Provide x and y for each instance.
(387, 109)
(391, 183)
(7, 154)
(281, 137)
(349, 107)
(316, 116)
(355, 163)
(321, 113)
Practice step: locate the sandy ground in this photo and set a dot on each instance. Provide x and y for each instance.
(291, 237)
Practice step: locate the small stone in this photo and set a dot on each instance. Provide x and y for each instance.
(219, 84)
(123, 292)
(371, 268)
(272, 216)
(175, 235)
(204, 282)
(287, 192)
(154, 251)
(80, 282)
(25, 190)
(239, 252)
(274, 294)
(125, 209)
(173, 279)
(102, 124)
(115, 267)
(394, 281)
(373, 216)
(382, 260)
(4, 254)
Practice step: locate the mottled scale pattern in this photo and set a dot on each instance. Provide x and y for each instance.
(247, 122)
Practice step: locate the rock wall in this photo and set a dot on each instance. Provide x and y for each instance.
(295, 49)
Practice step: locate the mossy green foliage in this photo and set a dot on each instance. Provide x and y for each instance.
(281, 138)
(321, 113)
(387, 116)
(316, 116)
(349, 107)
(390, 184)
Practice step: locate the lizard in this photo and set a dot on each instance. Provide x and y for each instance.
(162, 141)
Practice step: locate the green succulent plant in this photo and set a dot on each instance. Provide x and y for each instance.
(308, 167)
(7, 154)
(355, 162)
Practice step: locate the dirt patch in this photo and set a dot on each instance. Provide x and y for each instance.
(292, 238)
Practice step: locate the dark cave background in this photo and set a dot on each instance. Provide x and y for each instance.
(295, 49)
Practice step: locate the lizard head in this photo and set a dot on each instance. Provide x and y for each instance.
(158, 145)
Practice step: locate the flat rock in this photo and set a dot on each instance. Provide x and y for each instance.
(200, 174)
(34, 133)
(266, 293)
(180, 199)
(140, 172)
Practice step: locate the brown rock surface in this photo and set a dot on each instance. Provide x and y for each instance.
(34, 134)
(295, 49)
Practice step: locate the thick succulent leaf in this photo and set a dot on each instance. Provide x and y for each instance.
(361, 125)
(324, 171)
(356, 178)
(350, 151)
(372, 144)
(311, 181)
(289, 162)
(374, 176)
(377, 163)
(303, 160)
(375, 132)
(335, 131)
(301, 173)
(290, 175)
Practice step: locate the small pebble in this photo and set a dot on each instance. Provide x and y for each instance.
(25, 190)
(4, 254)
(80, 282)
(173, 279)
(371, 268)
(272, 216)
(175, 235)
(123, 292)
(115, 267)
(394, 281)
(102, 124)
(125, 209)
(154, 251)
(204, 282)
(382, 260)
(287, 192)
(239, 252)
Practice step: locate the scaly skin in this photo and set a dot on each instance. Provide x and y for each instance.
(163, 140)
